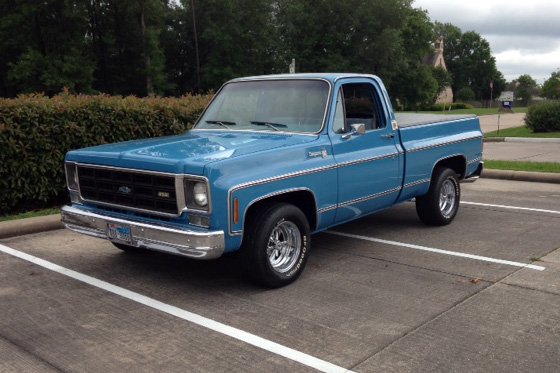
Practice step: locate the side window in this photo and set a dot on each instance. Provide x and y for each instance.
(338, 123)
(362, 106)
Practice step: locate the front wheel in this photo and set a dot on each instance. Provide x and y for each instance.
(440, 205)
(276, 245)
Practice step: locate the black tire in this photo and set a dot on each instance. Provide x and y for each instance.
(268, 263)
(127, 248)
(440, 205)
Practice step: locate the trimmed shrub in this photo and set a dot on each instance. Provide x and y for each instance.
(544, 117)
(37, 131)
(465, 94)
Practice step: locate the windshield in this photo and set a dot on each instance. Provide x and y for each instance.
(268, 105)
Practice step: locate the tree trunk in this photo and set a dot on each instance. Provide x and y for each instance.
(147, 60)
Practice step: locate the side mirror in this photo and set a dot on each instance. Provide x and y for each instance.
(357, 129)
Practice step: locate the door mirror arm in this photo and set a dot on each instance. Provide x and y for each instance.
(357, 129)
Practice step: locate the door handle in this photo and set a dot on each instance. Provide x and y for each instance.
(388, 137)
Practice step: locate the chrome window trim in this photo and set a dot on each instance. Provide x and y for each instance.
(179, 190)
(276, 78)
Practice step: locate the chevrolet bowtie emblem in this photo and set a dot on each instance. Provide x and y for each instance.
(125, 189)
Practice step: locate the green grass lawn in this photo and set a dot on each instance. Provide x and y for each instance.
(30, 214)
(476, 111)
(523, 166)
(522, 132)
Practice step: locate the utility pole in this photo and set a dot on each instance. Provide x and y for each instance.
(491, 91)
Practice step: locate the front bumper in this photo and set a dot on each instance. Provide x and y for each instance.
(194, 244)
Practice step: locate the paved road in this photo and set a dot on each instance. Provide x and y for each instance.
(514, 151)
(370, 306)
(489, 123)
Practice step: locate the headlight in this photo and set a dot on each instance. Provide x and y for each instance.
(71, 176)
(200, 194)
(197, 195)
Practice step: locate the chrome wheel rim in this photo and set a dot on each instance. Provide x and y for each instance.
(284, 246)
(447, 197)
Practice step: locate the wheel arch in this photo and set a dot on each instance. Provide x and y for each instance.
(457, 163)
(302, 198)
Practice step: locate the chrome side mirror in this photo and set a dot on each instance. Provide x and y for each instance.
(357, 129)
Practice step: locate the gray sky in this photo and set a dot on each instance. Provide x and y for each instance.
(524, 35)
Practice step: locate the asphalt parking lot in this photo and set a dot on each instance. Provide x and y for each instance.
(384, 293)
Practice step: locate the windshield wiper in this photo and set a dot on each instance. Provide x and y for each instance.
(274, 126)
(223, 123)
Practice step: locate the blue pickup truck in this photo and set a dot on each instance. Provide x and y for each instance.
(272, 160)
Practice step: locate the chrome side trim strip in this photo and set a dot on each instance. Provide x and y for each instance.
(369, 159)
(327, 209)
(416, 183)
(370, 197)
(421, 148)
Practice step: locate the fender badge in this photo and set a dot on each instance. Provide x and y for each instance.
(394, 125)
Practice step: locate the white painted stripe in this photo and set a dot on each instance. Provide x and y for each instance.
(510, 207)
(254, 340)
(438, 251)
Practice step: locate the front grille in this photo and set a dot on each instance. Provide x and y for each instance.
(138, 190)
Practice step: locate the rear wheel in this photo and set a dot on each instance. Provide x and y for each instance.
(276, 244)
(440, 205)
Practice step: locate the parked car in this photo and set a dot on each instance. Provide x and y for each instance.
(272, 160)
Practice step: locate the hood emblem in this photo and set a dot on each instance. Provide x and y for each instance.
(125, 189)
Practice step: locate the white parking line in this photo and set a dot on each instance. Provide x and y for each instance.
(254, 340)
(510, 207)
(438, 251)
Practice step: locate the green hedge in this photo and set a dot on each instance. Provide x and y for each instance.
(37, 131)
(442, 107)
(544, 117)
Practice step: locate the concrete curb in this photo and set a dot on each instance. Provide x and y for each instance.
(494, 139)
(37, 224)
(539, 177)
(523, 139)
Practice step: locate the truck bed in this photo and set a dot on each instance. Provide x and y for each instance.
(415, 119)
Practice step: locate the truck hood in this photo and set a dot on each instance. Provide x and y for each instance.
(187, 153)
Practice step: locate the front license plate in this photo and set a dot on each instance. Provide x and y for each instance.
(119, 232)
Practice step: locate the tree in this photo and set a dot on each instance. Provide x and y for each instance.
(465, 94)
(43, 47)
(125, 39)
(551, 87)
(525, 85)
(470, 62)
(443, 78)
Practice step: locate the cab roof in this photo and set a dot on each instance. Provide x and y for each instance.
(331, 77)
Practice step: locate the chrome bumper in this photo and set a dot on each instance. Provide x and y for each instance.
(194, 244)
